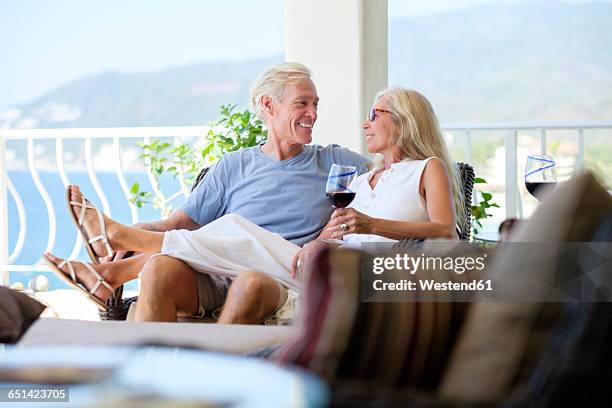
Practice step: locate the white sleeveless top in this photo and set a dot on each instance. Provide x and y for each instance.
(396, 196)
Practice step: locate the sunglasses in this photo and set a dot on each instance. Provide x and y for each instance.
(372, 114)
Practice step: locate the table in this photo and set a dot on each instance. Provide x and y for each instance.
(176, 375)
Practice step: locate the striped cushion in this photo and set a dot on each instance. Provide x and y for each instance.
(382, 344)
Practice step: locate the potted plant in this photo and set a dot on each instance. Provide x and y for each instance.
(233, 131)
(479, 210)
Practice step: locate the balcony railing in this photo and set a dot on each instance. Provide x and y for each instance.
(461, 137)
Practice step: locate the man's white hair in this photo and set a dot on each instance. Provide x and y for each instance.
(274, 81)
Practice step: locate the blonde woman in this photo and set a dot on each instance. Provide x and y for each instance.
(414, 191)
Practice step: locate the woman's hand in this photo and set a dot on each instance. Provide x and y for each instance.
(350, 221)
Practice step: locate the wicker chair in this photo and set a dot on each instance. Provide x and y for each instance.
(466, 175)
(117, 307)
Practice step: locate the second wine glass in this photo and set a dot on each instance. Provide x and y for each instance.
(540, 177)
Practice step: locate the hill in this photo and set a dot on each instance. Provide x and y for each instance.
(521, 62)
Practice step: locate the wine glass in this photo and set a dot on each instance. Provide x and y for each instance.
(540, 177)
(337, 188)
(338, 191)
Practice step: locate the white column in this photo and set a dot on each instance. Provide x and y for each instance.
(344, 43)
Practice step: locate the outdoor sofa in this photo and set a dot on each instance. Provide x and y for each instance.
(426, 354)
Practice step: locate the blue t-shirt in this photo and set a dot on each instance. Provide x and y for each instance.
(285, 197)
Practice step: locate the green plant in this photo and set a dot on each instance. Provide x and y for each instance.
(233, 131)
(479, 210)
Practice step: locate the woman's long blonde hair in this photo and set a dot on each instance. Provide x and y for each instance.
(419, 137)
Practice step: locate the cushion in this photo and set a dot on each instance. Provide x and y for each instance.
(17, 312)
(502, 341)
(349, 337)
(574, 368)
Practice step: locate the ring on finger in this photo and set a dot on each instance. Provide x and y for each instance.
(344, 227)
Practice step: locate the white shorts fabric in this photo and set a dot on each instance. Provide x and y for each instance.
(231, 245)
(225, 248)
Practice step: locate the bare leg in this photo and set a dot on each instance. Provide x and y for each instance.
(252, 297)
(121, 237)
(113, 273)
(123, 270)
(168, 286)
(134, 239)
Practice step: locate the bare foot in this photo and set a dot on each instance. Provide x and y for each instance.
(91, 224)
(85, 278)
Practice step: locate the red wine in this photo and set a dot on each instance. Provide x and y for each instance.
(539, 189)
(341, 199)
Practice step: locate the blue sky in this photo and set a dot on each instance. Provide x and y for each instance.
(45, 44)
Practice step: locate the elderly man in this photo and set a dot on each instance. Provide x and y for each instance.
(278, 186)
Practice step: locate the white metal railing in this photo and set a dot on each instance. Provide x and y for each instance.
(87, 135)
(32, 136)
(512, 199)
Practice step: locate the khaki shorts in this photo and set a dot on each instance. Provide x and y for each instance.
(212, 292)
(286, 311)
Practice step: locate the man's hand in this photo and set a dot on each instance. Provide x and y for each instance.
(305, 255)
(350, 221)
(297, 263)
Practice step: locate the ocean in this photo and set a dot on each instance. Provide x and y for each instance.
(37, 230)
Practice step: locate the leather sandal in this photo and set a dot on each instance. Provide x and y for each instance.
(78, 221)
(71, 280)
